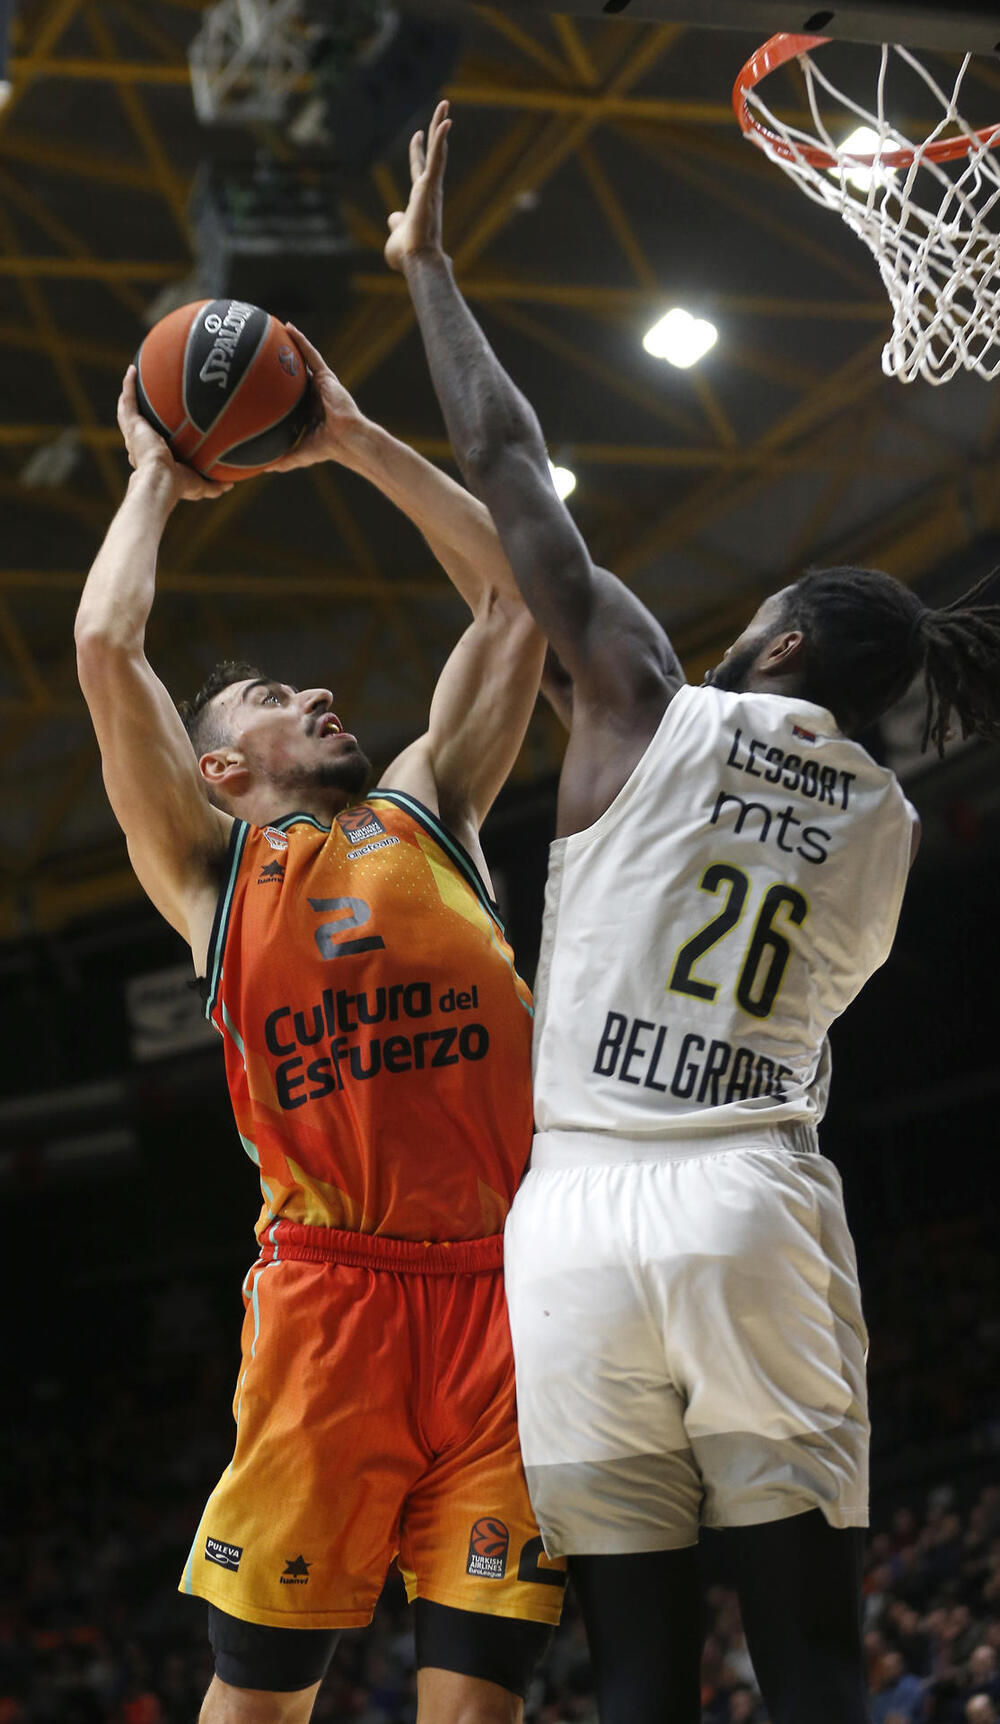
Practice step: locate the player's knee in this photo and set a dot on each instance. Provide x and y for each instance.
(445, 1698)
(224, 1704)
(492, 1709)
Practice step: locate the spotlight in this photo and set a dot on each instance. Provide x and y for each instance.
(680, 338)
(563, 479)
(865, 141)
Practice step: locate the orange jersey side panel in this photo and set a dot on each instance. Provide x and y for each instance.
(377, 1035)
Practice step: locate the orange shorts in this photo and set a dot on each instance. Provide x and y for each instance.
(375, 1419)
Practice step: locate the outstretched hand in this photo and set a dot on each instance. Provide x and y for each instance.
(336, 415)
(146, 448)
(418, 228)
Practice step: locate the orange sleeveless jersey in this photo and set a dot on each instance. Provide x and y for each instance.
(377, 1035)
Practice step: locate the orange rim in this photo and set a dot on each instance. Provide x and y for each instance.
(784, 47)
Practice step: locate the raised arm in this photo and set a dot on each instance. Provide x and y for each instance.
(487, 690)
(479, 714)
(620, 661)
(457, 526)
(176, 840)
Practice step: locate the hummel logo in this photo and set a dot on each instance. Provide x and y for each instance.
(296, 1571)
(270, 872)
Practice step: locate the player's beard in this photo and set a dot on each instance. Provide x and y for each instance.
(732, 673)
(351, 772)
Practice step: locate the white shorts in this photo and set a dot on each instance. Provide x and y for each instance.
(688, 1341)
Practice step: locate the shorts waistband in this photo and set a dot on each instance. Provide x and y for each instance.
(293, 1239)
(558, 1149)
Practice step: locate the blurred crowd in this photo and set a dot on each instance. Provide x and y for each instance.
(107, 1471)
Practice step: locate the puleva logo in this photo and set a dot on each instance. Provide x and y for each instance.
(277, 840)
(226, 1555)
(357, 824)
(489, 1542)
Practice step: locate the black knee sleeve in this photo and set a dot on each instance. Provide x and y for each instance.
(280, 1660)
(500, 1649)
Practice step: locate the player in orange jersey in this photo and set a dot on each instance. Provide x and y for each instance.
(377, 1044)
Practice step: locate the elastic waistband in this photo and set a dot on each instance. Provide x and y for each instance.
(292, 1239)
(555, 1149)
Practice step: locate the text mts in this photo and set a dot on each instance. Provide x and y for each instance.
(794, 772)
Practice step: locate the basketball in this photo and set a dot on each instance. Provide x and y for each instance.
(226, 386)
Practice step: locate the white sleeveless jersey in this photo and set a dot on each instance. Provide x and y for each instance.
(702, 936)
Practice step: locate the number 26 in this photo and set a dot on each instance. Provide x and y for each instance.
(766, 957)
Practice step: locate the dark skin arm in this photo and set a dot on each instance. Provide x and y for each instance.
(557, 687)
(622, 667)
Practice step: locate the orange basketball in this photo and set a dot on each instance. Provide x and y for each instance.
(226, 385)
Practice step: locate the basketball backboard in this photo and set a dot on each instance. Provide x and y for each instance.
(970, 24)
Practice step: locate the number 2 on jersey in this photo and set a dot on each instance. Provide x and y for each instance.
(348, 913)
(766, 957)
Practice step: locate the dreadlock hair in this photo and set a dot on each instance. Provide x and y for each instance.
(868, 636)
(962, 667)
(200, 718)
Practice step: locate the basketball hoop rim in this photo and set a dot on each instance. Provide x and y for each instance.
(777, 51)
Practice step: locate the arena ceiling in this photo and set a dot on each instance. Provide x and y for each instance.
(596, 178)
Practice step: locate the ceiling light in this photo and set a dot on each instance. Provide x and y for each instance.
(563, 480)
(865, 141)
(680, 338)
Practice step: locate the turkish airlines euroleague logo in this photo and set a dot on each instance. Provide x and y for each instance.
(357, 824)
(489, 1542)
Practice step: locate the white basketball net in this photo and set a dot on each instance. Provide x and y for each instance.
(929, 225)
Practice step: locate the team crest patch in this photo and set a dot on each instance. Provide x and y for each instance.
(277, 840)
(226, 1555)
(360, 824)
(489, 1542)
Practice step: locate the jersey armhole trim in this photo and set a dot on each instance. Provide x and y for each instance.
(452, 846)
(220, 926)
(906, 861)
(636, 778)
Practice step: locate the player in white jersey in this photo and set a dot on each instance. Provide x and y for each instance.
(729, 869)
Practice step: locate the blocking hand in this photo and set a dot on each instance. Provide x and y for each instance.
(417, 229)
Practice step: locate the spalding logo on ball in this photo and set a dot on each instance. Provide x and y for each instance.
(226, 386)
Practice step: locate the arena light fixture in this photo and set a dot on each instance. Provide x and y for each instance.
(680, 338)
(865, 141)
(564, 480)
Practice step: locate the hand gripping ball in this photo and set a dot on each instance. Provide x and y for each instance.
(226, 386)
